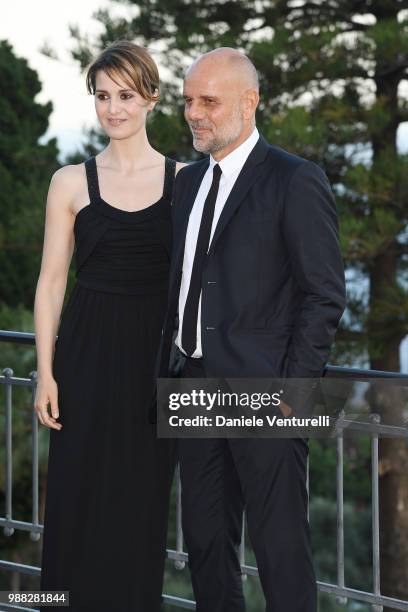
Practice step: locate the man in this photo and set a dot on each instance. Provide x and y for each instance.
(258, 283)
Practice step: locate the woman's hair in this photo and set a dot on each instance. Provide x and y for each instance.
(132, 63)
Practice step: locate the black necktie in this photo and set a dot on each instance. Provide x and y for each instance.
(189, 329)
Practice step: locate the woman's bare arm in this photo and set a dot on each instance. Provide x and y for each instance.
(57, 253)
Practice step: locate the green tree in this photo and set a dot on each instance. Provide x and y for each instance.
(25, 171)
(331, 74)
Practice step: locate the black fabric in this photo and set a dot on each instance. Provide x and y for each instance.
(121, 251)
(109, 476)
(189, 329)
(170, 171)
(221, 477)
(92, 180)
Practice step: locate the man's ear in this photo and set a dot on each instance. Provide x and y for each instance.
(250, 101)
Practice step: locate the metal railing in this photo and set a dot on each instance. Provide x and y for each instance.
(179, 556)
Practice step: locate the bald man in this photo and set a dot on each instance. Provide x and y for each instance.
(257, 282)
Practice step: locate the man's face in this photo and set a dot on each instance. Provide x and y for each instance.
(212, 107)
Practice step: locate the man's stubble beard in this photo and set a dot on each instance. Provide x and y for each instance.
(221, 141)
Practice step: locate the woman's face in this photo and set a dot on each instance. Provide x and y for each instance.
(121, 111)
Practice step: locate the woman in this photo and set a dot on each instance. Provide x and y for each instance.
(109, 476)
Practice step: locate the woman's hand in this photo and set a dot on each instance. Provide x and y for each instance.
(47, 393)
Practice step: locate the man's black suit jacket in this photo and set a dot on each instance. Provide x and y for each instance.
(273, 288)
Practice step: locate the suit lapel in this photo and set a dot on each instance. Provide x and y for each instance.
(245, 180)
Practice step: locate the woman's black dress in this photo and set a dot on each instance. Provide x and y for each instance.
(109, 476)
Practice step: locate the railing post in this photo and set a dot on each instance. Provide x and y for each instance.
(375, 418)
(178, 564)
(342, 601)
(34, 535)
(8, 390)
(242, 548)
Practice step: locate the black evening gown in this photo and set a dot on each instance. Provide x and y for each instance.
(109, 476)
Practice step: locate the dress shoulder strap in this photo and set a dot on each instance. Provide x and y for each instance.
(92, 180)
(169, 176)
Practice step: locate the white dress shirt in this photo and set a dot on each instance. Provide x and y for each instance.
(230, 166)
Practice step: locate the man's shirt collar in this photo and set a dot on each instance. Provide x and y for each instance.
(237, 158)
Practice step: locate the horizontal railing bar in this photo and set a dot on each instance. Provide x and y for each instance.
(357, 374)
(6, 606)
(10, 566)
(177, 556)
(330, 370)
(375, 428)
(15, 380)
(21, 525)
(17, 337)
(179, 602)
(395, 604)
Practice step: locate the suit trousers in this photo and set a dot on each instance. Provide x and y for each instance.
(267, 477)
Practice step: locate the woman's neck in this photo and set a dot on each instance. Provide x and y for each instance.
(130, 154)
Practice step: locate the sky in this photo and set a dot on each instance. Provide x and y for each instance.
(29, 25)
(47, 21)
